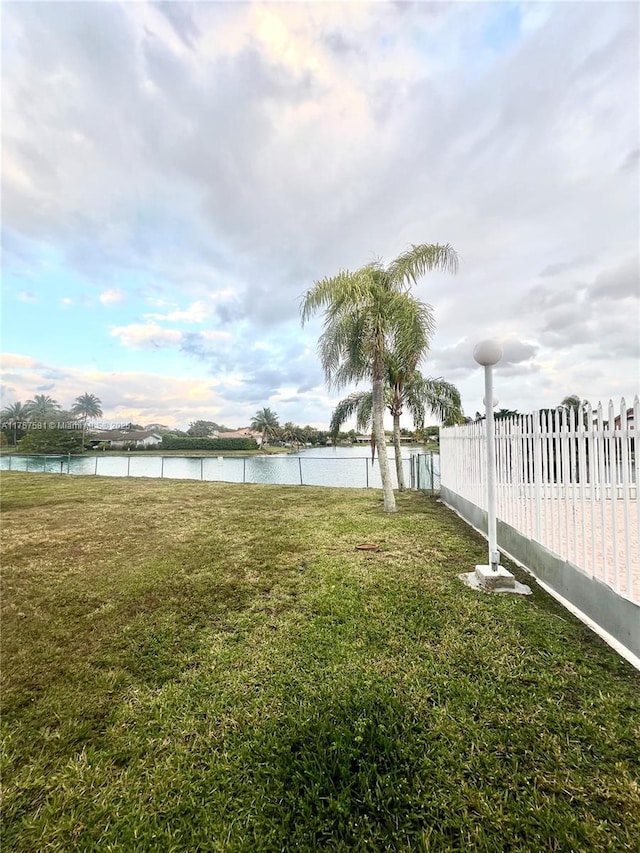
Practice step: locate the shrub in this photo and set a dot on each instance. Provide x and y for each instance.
(174, 443)
(51, 441)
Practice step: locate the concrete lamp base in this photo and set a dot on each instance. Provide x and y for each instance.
(485, 579)
(499, 579)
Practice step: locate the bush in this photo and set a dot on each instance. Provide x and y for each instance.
(170, 442)
(51, 441)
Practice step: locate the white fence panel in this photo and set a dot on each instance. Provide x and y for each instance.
(567, 479)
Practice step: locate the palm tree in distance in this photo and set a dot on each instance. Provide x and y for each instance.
(266, 422)
(87, 406)
(15, 414)
(574, 408)
(42, 408)
(369, 313)
(418, 395)
(293, 434)
(571, 402)
(503, 414)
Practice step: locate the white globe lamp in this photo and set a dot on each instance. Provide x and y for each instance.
(488, 353)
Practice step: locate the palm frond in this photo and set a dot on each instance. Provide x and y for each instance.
(359, 404)
(87, 405)
(337, 294)
(411, 329)
(265, 420)
(42, 407)
(15, 412)
(408, 267)
(440, 397)
(342, 349)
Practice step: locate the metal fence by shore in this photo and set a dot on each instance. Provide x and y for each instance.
(421, 469)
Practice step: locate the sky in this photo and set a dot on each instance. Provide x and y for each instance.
(175, 176)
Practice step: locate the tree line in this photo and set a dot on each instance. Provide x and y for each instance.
(56, 423)
(267, 423)
(571, 404)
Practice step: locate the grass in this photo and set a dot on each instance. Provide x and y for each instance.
(214, 667)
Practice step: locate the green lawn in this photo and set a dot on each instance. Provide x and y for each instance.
(208, 667)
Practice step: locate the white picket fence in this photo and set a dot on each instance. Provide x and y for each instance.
(567, 479)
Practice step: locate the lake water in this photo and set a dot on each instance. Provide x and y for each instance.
(322, 466)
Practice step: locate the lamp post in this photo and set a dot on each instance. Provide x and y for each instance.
(488, 353)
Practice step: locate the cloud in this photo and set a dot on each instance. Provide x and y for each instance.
(516, 351)
(563, 266)
(601, 314)
(181, 18)
(215, 335)
(620, 282)
(197, 312)
(23, 296)
(146, 336)
(129, 396)
(55, 373)
(459, 357)
(109, 297)
(179, 152)
(631, 161)
(15, 361)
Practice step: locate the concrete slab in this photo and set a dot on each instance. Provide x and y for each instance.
(471, 580)
(491, 579)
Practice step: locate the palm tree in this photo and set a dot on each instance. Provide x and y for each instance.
(408, 386)
(574, 406)
(503, 414)
(417, 393)
(42, 408)
(87, 406)
(292, 433)
(571, 402)
(14, 414)
(420, 394)
(308, 432)
(266, 422)
(368, 314)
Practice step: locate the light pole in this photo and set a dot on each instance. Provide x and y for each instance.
(488, 353)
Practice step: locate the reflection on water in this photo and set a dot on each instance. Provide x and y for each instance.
(340, 466)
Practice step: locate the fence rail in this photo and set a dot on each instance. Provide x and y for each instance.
(567, 479)
(341, 471)
(425, 472)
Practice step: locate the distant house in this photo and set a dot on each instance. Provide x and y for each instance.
(245, 432)
(630, 420)
(366, 439)
(121, 438)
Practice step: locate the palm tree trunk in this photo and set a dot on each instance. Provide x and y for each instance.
(396, 444)
(389, 501)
